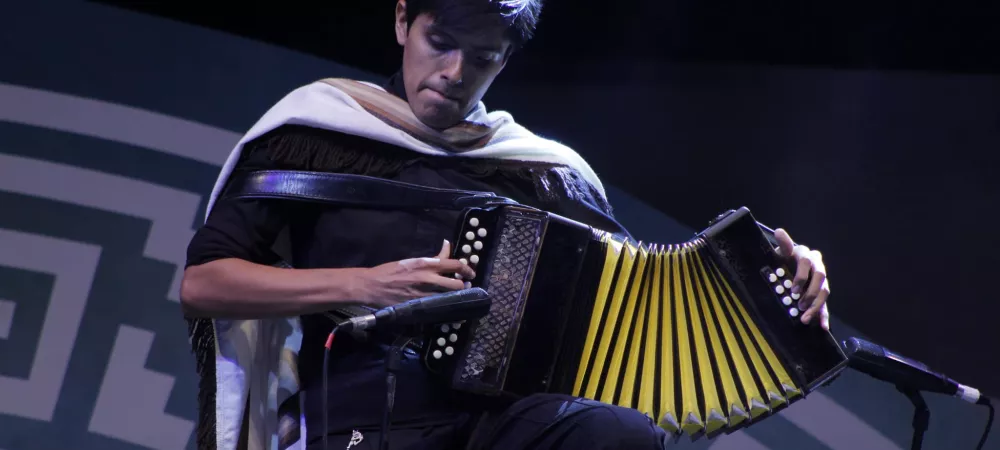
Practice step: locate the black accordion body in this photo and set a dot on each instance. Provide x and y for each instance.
(703, 336)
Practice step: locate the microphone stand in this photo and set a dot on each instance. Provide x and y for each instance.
(921, 415)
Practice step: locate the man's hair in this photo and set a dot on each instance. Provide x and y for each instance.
(520, 16)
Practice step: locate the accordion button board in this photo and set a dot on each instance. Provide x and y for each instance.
(703, 336)
(446, 337)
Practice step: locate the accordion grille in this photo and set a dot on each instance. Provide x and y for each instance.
(486, 362)
(669, 336)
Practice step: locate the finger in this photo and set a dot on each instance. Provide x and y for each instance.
(818, 304)
(419, 263)
(816, 283)
(785, 244)
(453, 266)
(824, 317)
(803, 269)
(439, 283)
(817, 279)
(445, 252)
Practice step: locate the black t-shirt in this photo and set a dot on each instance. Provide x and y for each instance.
(325, 236)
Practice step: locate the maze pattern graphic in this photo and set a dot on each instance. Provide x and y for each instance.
(104, 247)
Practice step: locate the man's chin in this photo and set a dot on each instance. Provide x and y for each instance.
(439, 121)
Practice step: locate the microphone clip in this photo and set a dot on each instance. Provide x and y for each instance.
(921, 414)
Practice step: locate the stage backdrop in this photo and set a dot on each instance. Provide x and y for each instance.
(113, 126)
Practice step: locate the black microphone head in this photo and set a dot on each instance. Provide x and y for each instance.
(886, 365)
(450, 297)
(860, 348)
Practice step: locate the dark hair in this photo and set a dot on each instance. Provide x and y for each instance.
(520, 16)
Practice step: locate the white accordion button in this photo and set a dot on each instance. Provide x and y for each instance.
(468, 285)
(458, 276)
(441, 342)
(482, 232)
(445, 328)
(463, 261)
(780, 272)
(470, 235)
(449, 350)
(478, 245)
(474, 222)
(453, 337)
(793, 312)
(795, 296)
(787, 301)
(466, 249)
(788, 284)
(779, 289)
(456, 325)
(772, 278)
(437, 354)
(474, 259)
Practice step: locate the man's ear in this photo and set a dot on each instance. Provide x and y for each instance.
(401, 25)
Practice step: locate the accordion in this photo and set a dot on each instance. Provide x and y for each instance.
(703, 336)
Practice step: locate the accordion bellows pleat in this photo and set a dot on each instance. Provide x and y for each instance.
(668, 337)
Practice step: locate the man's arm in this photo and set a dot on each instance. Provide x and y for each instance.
(238, 289)
(235, 288)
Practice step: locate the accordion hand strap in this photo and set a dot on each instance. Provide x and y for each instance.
(352, 190)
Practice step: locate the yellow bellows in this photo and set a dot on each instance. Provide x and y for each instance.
(669, 337)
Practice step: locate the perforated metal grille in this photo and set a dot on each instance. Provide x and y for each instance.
(488, 349)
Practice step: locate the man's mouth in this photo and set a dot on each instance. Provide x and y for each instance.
(444, 96)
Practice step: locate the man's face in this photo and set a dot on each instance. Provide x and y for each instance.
(447, 71)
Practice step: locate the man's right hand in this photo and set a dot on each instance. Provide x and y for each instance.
(399, 281)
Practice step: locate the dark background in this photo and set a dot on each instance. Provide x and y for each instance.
(956, 36)
(794, 109)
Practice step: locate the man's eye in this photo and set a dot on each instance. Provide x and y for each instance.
(486, 59)
(439, 44)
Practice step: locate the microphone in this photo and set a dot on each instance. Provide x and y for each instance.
(445, 307)
(906, 373)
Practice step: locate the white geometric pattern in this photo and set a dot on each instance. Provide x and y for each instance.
(74, 265)
(827, 421)
(171, 212)
(115, 122)
(127, 384)
(739, 440)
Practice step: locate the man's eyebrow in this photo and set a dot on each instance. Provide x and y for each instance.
(441, 31)
(488, 48)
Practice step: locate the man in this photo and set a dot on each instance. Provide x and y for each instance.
(425, 126)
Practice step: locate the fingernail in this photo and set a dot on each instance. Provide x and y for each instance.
(806, 317)
(796, 289)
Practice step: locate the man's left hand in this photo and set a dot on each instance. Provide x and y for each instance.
(810, 278)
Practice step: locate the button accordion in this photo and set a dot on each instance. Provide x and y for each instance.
(703, 336)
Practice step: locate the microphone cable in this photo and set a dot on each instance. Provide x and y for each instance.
(326, 386)
(984, 400)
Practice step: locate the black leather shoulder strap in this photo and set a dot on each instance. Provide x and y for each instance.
(352, 190)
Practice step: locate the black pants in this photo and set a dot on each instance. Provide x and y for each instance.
(542, 422)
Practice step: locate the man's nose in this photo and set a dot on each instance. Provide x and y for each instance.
(454, 65)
